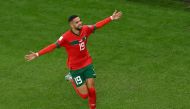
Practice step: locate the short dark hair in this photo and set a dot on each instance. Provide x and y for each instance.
(72, 17)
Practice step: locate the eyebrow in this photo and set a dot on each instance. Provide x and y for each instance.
(78, 21)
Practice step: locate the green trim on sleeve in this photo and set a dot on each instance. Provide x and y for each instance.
(57, 45)
(95, 27)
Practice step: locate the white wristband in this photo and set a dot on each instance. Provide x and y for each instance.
(111, 17)
(37, 54)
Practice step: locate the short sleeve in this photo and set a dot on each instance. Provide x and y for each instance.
(60, 42)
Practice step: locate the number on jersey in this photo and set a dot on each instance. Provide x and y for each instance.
(82, 46)
(78, 80)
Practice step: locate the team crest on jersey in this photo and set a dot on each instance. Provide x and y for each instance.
(84, 38)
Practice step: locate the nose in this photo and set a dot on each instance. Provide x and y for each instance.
(80, 23)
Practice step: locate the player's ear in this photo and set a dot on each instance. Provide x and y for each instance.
(71, 24)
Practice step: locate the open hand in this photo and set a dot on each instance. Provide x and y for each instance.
(116, 15)
(31, 56)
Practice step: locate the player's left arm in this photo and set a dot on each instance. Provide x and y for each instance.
(115, 16)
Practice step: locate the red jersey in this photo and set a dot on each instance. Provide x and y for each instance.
(75, 45)
(78, 56)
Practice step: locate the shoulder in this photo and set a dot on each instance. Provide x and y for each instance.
(88, 27)
(85, 26)
(66, 34)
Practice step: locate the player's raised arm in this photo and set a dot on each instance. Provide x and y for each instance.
(45, 50)
(115, 16)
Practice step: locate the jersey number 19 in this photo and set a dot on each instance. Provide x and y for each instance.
(82, 46)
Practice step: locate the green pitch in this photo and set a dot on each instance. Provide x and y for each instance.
(142, 61)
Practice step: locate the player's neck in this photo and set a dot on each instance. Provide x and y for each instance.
(75, 31)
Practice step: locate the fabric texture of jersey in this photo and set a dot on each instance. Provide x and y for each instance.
(75, 45)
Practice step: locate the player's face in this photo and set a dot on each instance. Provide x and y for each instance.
(76, 23)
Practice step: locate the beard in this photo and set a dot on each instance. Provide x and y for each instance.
(78, 28)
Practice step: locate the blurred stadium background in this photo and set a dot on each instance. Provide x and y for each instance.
(142, 61)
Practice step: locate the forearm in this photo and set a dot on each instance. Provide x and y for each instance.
(47, 49)
(103, 22)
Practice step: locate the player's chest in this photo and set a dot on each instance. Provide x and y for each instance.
(77, 42)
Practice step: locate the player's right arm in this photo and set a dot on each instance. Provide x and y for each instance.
(45, 50)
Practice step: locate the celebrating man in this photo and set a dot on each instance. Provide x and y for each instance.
(79, 61)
